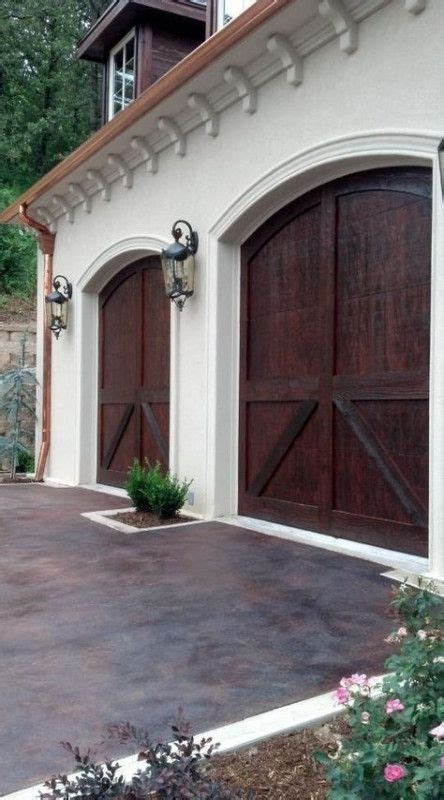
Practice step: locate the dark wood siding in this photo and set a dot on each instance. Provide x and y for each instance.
(334, 361)
(133, 371)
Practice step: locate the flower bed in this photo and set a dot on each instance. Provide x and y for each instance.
(284, 768)
(146, 519)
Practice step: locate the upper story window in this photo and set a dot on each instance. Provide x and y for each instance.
(229, 9)
(122, 74)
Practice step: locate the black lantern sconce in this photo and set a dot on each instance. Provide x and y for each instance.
(57, 305)
(178, 264)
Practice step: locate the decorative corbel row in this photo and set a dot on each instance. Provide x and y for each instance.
(123, 169)
(147, 152)
(343, 23)
(175, 133)
(60, 201)
(79, 192)
(280, 46)
(99, 179)
(46, 217)
(201, 103)
(236, 77)
(415, 6)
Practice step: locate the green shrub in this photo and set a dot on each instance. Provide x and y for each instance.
(395, 745)
(25, 462)
(152, 489)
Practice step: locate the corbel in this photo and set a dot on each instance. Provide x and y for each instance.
(343, 23)
(245, 89)
(123, 169)
(60, 201)
(147, 152)
(175, 133)
(79, 192)
(46, 216)
(415, 6)
(281, 46)
(201, 103)
(101, 182)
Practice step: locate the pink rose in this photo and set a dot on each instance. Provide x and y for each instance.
(402, 632)
(358, 680)
(392, 706)
(345, 682)
(438, 731)
(394, 772)
(422, 635)
(341, 695)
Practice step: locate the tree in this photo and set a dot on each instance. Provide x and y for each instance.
(49, 102)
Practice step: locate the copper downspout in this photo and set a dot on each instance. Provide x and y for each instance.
(46, 241)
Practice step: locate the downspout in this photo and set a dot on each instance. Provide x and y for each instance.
(46, 241)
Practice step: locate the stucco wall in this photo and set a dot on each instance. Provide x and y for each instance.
(383, 104)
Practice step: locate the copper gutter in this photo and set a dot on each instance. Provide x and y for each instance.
(46, 241)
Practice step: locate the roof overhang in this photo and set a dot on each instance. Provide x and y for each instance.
(268, 38)
(122, 15)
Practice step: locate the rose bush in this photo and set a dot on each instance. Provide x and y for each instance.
(395, 743)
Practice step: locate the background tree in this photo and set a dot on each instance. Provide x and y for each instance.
(49, 104)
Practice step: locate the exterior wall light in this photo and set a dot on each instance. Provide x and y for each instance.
(178, 264)
(56, 304)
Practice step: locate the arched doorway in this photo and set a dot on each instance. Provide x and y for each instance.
(335, 318)
(134, 357)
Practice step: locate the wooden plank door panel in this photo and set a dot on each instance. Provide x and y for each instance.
(335, 318)
(133, 371)
(279, 379)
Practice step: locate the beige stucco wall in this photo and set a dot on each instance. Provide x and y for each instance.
(383, 104)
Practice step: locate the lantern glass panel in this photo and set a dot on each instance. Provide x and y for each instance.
(178, 276)
(57, 314)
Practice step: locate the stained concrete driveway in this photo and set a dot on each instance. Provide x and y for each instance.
(98, 626)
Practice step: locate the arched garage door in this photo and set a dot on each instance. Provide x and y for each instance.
(335, 317)
(134, 360)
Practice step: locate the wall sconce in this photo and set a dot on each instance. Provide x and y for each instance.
(178, 264)
(441, 164)
(56, 304)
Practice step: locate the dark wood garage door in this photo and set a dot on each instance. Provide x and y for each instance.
(133, 370)
(335, 317)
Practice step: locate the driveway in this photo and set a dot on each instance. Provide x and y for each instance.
(98, 626)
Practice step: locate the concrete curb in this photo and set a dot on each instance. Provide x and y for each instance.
(244, 733)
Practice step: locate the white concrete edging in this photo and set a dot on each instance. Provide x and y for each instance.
(377, 555)
(239, 735)
(106, 518)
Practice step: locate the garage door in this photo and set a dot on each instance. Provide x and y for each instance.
(134, 371)
(335, 318)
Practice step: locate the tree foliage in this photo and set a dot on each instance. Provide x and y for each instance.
(50, 102)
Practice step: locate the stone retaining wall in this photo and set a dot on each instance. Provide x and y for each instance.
(11, 335)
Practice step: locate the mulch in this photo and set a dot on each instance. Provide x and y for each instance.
(283, 768)
(145, 519)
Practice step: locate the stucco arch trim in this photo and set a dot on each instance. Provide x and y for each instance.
(117, 256)
(319, 164)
